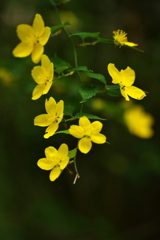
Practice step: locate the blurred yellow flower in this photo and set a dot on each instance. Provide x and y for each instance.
(87, 132)
(125, 79)
(139, 122)
(6, 76)
(56, 160)
(120, 38)
(33, 38)
(43, 76)
(53, 117)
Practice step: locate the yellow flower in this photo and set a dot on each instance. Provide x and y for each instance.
(52, 118)
(43, 76)
(139, 122)
(125, 78)
(33, 38)
(56, 160)
(87, 132)
(120, 38)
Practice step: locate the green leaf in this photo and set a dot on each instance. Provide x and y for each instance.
(68, 110)
(90, 116)
(113, 90)
(84, 35)
(64, 131)
(88, 91)
(72, 153)
(104, 40)
(58, 27)
(59, 63)
(97, 76)
(79, 68)
(60, 69)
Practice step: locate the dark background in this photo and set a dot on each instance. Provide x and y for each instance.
(118, 194)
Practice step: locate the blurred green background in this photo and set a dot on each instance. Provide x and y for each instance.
(118, 194)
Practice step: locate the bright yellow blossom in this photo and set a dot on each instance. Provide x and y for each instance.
(43, 76)
(139, 122)
(33, 38)
(87, 132)
(120, 38)
(52, 118)
(56, 160)
(125, 79)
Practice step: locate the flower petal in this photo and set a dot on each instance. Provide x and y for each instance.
(98, 138)
(38, 75)
(114, 73)
(51, 130)
(128, 76)
(46, 34)
(84, 145)
(38, 91)
(84, 122)
(51, 152)
(42, 120)
(63, 155)
(37, 53)
(47, 87)
(135, 92)
(60, 110)
(50, 105)
(44, 164)
(22, 50)
(96, 127)
(76, 131)
(124, 93)
(25, 33)
(54, 174)
(38, 25)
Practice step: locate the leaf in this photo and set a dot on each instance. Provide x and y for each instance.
(68, 110)
(88, 91)
(64, 131)
(60, 69)
(79, 68)
(58, 62)
(72, 153)
(84, 35)
(113, 90)
(104, 40)
(97, 76)
(58, 27)
(90, 116)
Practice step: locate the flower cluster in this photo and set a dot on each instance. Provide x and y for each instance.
(33, 38)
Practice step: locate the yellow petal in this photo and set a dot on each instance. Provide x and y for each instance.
(47, 87)
(45, 36)
(130, 44)
(37, 75)
(59, 110)
(50, 105)
(42, 120)
(51, 153)
(84, 122)
(50, 131)
(84, 145)
(124, 93)
(114, 73)
(25, 33)
(98, 138)
(44, 164)
(63, 155)
(128, 76)
(38, 91)
(96, 127)
(22, 50)
(37, 53)
(135, 92)
(54, 174)
(38, 25)
(76, 131)
(47, 67)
